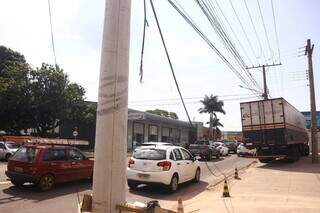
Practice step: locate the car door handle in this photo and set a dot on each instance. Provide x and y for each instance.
(73, 163)
(53, 164)
(178, 164)
(188, 163)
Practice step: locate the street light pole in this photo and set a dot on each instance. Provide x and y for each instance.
(109, 178)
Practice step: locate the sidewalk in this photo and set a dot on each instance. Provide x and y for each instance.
(275, 187)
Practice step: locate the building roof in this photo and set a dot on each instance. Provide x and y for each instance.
(139, 115)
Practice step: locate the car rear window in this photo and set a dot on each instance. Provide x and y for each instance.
(150, 154)
(26, 154)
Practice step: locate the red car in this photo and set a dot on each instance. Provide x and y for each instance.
(45, 165)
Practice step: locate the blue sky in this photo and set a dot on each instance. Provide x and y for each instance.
(77, 24)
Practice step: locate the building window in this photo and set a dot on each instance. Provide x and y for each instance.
(153, 133)
(138, 134)
(165, 134)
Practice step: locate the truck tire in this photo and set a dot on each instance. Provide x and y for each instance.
(293, 154)
(305, 150)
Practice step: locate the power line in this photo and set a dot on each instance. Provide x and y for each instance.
(265, 29)
(145, 23)
(52, 40)
(169, 60)
(244, 32)
(205, 38)
(190, 98)
(275, 29)
(255, 31)
(210, 12)
(233, 32)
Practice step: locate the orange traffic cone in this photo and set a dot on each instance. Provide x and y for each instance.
(225, 190)
(180, 206)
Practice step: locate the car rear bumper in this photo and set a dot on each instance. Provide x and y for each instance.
(20, 177)
(149, 177)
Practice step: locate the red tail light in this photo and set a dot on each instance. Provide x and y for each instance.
(166, 165)
(130, 162)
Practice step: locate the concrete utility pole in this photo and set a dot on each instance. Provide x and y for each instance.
(265, 87)
(109, 179)
(314, 142)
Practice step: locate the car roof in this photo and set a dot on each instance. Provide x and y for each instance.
(163, 147)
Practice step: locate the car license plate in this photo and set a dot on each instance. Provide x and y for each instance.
(18, 169)
(141, 175)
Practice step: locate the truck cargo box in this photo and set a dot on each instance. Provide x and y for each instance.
(274, 125)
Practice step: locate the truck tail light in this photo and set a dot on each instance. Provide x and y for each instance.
(166, 165)
(130, 162)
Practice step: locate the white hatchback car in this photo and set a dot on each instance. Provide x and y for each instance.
(167, 165)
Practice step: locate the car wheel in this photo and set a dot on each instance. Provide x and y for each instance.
(8, 156)
(46, 182)
(218, 156)
(197, 176)
(173, 187)
(16, 183)
(132, 185)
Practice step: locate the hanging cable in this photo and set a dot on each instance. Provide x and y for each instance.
(145, 24)
(52, 39)
(265, 29)
(211, 45)
(275, 29)
(169, 60)
(244, 32)
(255, 31)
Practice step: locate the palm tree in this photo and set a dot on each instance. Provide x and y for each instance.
(211, 105)
(215, 124)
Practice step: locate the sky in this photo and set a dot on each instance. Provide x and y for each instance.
(78, 27)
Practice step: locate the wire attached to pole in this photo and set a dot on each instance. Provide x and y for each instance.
(145, 24)
(169, 60)
(52, 40)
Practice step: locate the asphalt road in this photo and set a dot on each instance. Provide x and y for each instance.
(63, 198)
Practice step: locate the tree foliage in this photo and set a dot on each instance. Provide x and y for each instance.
(164, 113)
(212, 105)
(38, 98)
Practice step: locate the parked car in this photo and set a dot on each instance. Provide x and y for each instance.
(166, 165)
(204, 149)
(45, 165)
(224, 151)
(7, 149)
(232, 146)
(244, 151)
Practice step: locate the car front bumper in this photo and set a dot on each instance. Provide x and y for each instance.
(137, 176)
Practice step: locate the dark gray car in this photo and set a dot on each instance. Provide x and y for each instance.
(205, 149)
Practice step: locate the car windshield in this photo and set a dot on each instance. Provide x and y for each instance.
(202, 142)
(26, 154)
(12, 145)
(150, 154)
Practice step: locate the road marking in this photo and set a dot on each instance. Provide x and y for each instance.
(4, 182)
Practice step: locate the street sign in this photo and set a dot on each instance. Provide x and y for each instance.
(75, 133)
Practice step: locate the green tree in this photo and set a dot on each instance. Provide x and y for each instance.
(211, 105)
(215, 124)
(14, 91)
(164, 113)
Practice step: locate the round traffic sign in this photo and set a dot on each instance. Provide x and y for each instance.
(75, 133)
